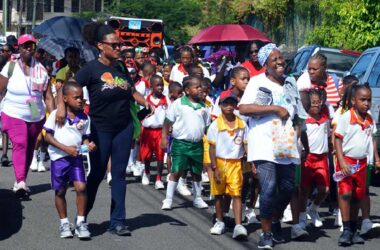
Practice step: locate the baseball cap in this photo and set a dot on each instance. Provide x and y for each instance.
(228, 94)
(26, 38)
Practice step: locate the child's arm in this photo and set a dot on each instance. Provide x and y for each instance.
(71, 150)
(376, 155)
(344, 166)
(305, 144)
(164, 136)
(91, 145)
(213, 163)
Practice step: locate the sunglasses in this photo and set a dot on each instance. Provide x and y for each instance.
(114, 45)
(28, 45)
(254, 51)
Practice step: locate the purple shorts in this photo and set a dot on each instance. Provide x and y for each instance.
(66, 169)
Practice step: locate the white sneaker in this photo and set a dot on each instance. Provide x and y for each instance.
(182, 189)
(109, 178)
(138, 169)
(298, 232)
(205, 178)
(315, 219)
(257, 205)
(159, 185)
(145, 179)
(287, 215)
(167, 204)
(21, 189)
(199, 203)
(239, 232)
(218, 228)
(250, 215)
(128, 169)
(367, 226)
(34, 165)
(338, 219)
(41, 167)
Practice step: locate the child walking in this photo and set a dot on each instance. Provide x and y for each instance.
(66, 162)
(152, 131)
(189, 118)
(227, 137)
(353, 137)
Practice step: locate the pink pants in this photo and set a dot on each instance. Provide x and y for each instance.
(23, 136)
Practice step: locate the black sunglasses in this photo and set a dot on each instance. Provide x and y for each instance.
(28, 45)
(254, 51)
(114, 45)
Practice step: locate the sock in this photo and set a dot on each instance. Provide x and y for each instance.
(131, 157)
(197, 189)
(314, 206)
(353, 226)
(158, 177)
(42, 156)
(35, 155)
(64, 220)
(346, 225)
(302, 217)
(80, 219)
(170, 189)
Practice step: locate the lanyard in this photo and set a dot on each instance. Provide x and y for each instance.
(28, 83)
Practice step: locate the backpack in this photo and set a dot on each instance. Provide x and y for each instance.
(336, 81)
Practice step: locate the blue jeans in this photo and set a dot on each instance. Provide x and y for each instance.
(116, 145)
(276, 187)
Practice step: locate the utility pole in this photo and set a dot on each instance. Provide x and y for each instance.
(34, 14)
(5, 17)
(20, 17)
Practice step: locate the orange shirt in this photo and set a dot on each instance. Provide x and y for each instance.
(251, 69)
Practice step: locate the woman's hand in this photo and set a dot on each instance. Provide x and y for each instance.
(91, 147)
(282, 113)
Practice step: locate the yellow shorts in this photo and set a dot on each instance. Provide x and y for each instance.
(231, 177)
(206, 151)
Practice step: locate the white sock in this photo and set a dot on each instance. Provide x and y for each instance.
(35, 155)
(64, 220)
(197, 189)
(80, 219)
(42, 156)
(170, 189)
(131, 157)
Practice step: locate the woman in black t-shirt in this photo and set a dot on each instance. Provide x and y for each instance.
(110, 92)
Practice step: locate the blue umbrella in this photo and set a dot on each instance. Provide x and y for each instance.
(62, 27)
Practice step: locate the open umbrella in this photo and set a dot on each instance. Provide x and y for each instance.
(62, 27)
(228, 33)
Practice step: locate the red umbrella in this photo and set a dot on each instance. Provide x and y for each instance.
(228, 33)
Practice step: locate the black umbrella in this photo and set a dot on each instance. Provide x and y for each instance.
(62, 27)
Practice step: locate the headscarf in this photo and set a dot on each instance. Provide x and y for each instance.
(265, 51)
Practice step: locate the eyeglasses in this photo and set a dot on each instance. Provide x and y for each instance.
(254, 51)
(114, 45)
(28, 45)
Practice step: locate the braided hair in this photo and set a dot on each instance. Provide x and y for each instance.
(320, 57)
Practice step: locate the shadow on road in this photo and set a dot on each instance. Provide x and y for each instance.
(151, 220)
(36, 189)
(10, 214)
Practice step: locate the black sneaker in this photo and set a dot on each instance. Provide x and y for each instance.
(120, 230)
(345, 238)
(266, 241)
(4, 161)
(277, 233)
(357, 239)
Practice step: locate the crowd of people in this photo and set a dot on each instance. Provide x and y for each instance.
(259, 137)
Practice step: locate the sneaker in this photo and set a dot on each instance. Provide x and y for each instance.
(239, 232)
(205, 178)
(138, 169)
(338, 220)
(41, 167)
(128, 169)
(65, 231)
(34, 165)
(257, 204)
(266, 241)
(287, 215)
(315, 219)
(109, 178)
(368, 226)
(182, 189)
(218, 228)
(277, 233)
(167, 204)
(250, 215)
(199, 203)
(81, 231)
(168, 177)
(345, 238)
(21, 189)
(357, 239)
(120, 230)
(159, 185)
(145, 179)
(4, 161)
(298, 232)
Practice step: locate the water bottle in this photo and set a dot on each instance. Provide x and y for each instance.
(338, 176)
(83, 149)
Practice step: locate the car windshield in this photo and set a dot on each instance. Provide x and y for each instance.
(362, 65)
(339, 61)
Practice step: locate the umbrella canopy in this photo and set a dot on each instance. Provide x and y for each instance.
(228, 33)
(62, 27)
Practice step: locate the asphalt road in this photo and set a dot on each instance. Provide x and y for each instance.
(34, 223)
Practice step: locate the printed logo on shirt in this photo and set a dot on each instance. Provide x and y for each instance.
(110, 82)
(80, 125)
(368, 130)
(238, 140)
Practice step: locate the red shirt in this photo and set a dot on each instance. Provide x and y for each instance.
(251, 69)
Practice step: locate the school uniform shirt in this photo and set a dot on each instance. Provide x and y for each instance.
(110, 104)
(317, 133)
(157, 119)
(178, 73)
(228, 141)
(71, 133)
(189, 119)
(142, 86)
(356, 134)
(260, 144)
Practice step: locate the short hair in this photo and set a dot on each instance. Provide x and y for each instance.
(206, 82)
(192, 68)
(347, 80)
(154, 77)
(70, 84)
(174, 85)
(320, 57)
(72, 50)
(235, 71)
(187, 49)
(187, 81)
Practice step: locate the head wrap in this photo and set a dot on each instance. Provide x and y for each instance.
(265, 51)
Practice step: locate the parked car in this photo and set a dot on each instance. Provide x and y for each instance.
(338, 61)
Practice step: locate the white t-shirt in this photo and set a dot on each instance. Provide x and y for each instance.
(157, 119)
(177, 74)
(356, 135)
(142, 87)
(260, 145)
(189, 119)
(70, 134)
(22, 88)
(228, 142)
(317, 135)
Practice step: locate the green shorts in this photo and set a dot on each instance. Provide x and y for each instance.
(187, 156)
